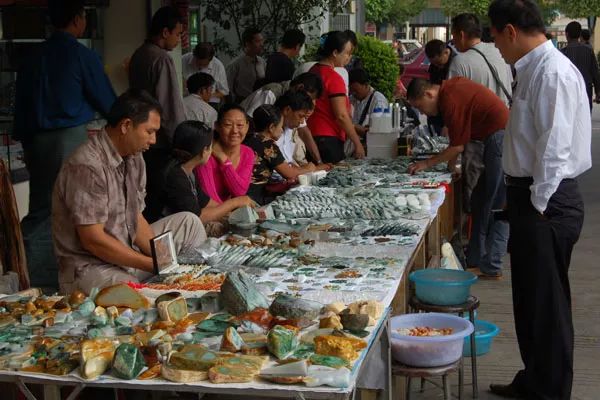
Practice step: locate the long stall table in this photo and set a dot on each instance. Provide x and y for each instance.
(378, 346)
(372, 371)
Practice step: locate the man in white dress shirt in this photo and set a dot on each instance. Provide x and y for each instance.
(547, 145)
(203, 60)
(200, 86)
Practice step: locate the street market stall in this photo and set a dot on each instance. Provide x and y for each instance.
(296, 307)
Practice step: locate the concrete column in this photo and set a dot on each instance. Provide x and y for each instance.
(125, 29)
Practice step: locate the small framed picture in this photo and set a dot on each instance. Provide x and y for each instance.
(163, 252)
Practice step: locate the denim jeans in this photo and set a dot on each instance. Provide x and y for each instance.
(489, 237)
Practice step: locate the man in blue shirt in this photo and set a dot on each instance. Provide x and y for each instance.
(59, 90)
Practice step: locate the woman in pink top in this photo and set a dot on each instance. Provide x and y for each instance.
(228, 171)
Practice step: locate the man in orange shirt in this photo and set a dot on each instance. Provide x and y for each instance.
(472, 113)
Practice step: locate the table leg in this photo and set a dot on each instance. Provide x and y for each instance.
(386, 343)
(25, 390)
(447, 394)
(52, 392)
(76, 391)
(461, 378)
(473, 357)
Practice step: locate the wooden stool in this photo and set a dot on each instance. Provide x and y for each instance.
(425, 373)
(469, 306)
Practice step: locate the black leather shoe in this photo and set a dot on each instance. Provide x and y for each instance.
(509, 391)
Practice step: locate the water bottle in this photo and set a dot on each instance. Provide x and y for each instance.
(375, 123)
(397, 123)
(387, 121)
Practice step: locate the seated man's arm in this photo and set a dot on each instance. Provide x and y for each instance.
(143, 235)
(104, 246)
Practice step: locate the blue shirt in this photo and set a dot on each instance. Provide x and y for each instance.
(60, 86)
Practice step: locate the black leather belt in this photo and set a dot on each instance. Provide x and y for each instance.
(525, 182)
(520, 182)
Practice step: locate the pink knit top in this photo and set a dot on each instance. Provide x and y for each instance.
(222, 181)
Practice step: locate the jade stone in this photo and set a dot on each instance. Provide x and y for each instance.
(128, 362)
(304, 351)
(328, 361)
(222, 317)
(239, 294)
(281, 342)
(125, 330)
(95, 333)
(290, 307)
(231, 341)
(354, 322)
(213, 325)
(122, 321)
(210, 302)
(150, 316)
(86, 308)
(193, 357)
(99, 316)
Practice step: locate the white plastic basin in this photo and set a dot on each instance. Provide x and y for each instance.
(431, 351)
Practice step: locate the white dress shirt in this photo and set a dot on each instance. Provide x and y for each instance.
(215, 68)
(549, 129)
(197, 109)
(286, 145)
(256, 99)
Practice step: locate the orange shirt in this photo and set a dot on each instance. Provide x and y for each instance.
(470, 110)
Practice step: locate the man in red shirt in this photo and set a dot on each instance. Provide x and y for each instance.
(476, 119)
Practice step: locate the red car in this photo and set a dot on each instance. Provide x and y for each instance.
(417, 68)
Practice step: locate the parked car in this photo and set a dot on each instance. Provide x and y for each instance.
(410, 44)
(417, 68)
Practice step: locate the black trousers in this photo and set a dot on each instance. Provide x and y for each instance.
(331, 149)
(540, 249)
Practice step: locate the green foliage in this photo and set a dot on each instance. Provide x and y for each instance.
(381, 62)
(403, 10)
(377, 11)
(272, 16)
(310, 50)
(393, 11)
(455, 7)
(549, 8)
(579, 8)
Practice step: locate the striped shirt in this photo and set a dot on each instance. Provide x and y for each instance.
(584, 59)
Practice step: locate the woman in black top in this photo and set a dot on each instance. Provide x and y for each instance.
(268, 123)
(192, 146)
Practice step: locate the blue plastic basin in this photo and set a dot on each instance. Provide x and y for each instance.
(442, 287)
(485, 332)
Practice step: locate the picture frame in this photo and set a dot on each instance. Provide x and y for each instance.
(164, 256)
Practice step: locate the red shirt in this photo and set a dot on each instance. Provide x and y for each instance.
(322, 122)
(470, 110)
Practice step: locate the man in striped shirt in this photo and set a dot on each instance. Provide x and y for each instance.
(583, 58)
